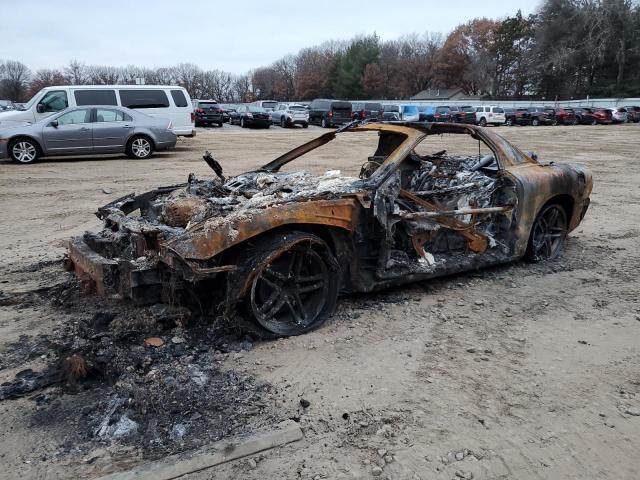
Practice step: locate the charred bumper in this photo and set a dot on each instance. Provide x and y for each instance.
(140, 281)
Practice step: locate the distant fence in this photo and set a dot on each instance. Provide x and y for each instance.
(587, 102)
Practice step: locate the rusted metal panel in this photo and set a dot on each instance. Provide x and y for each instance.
(209, 239)
(89, 265)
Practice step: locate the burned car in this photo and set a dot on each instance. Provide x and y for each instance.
(275, 249)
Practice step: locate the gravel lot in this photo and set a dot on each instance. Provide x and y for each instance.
(517, 372)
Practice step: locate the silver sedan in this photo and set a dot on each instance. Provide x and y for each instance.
(87, 130)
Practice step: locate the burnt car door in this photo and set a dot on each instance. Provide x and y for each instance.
(443, 213)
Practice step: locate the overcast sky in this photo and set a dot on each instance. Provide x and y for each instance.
(233, 35)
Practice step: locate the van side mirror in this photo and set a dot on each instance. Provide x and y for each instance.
(40, 108)
(54, 123)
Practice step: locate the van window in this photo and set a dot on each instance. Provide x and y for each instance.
(498, 110)
(144, 99)
(95, 97)
(104, 115)
(54, 101)
(178, 98)
(270, 105)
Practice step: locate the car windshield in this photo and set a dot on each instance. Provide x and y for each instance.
(468, 109)
(296, 108)
(256, 109)
(391, 108)
(410, 110)
(207, 104)
(499, 110)
(270, 104)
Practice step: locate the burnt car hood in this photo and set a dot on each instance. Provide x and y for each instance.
(181, 218)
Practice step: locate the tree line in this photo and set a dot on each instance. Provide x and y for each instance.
(567, 49)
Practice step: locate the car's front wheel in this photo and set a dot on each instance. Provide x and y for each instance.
(548, 234)
(483, 122)
(24, 150)
(305, 125)
(242, 124)
(324, 123)
(292, 284)
(139, 147)
(535, 122)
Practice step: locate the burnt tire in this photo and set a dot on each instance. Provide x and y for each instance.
(288, 285)
(24, 150)
(139, 147)
(548, 234)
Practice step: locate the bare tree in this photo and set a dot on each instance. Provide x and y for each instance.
(14, 78)
(76, 72)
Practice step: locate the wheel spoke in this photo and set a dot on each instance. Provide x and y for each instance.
(311, 288)
(275, 307)
(273, 274)
(309, 279)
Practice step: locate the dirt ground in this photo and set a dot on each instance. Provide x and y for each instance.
(517, 372)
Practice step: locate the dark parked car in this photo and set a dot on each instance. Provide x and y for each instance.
(329, 113)
(540, 116)
(585, 116)
(435, 114)
(391, 113)
(87, 130)
(366, 110)
(207, 112)
(603, 116)
(565, 116)
(633, 113)
(464, 114)
(517, 116)
(272, 250)
(227, 108)
(250, 116)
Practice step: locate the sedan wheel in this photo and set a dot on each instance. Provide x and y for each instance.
(140, 148)
(283, 123)
(535, 122)
(324, 123)
(24, 151)
(548, 234)
(242, 123)
(483, 122)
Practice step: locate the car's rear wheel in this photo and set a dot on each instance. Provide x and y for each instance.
(140, 147)
(509, 122)
(535, 122)
(548, 234)
(483, 122)
(283, 123)
(305, 125)
(324, 123)
(24, 150)
(292, 283)
(242, 124)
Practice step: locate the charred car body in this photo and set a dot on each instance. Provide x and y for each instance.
(274, 249)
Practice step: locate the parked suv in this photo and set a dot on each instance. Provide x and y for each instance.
(603, 116)
(329, 113)
(290, 114)
(541, 116)
(585, 116)
(565, 116)
(633, 113)
(435, 114)
(391, 112)
(464, 114)
(490, 115)
(366, 110)
(208, 112)
(618, 114)
(517, 116)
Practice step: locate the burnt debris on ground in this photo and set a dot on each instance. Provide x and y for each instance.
(105, 383)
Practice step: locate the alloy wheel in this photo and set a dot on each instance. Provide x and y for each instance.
(292, 291)
(24, 152)
(141, 148)
(549, 233)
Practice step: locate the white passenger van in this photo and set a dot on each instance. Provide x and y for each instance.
(171, 103)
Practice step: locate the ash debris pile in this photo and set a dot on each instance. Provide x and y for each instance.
(132, 376)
